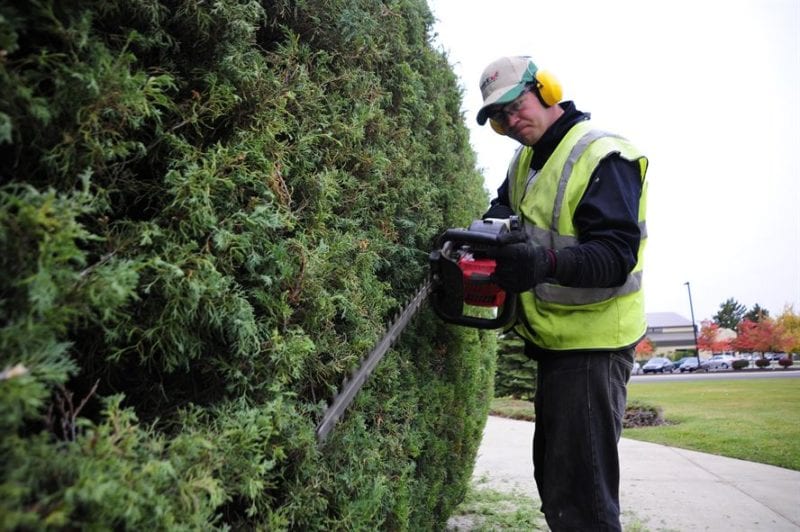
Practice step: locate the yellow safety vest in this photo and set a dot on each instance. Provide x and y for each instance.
(558, 317)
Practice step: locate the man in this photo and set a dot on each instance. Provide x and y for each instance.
(580, 194)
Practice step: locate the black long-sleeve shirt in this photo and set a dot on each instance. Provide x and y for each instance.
(606, 219)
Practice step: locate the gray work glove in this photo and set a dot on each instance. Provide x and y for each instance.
(521, 264)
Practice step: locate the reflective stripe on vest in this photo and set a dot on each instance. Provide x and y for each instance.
(551, 239)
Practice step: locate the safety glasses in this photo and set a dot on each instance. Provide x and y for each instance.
(502, 114)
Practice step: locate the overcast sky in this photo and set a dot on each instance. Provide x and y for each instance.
(708, 89)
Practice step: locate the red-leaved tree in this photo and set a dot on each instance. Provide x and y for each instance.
(760, 337)
(708, 339)
(644, 348)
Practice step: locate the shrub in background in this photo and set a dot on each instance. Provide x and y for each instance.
(762, 362)
(208, 213)
(740, 363)
(785, 361)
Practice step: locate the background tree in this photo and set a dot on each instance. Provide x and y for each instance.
(789, 321)
(757, 313)
(516, 373)
(761, 337)
(730, 314)
(644, 348)
(708, 339)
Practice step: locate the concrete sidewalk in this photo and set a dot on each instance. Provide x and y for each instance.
(662, 488)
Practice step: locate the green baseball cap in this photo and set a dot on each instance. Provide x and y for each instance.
(503, 81)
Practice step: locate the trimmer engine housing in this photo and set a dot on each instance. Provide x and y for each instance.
(461, 275)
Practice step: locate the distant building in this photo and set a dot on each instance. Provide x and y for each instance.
(669, 332)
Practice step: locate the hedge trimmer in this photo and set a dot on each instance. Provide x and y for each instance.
(460, 277)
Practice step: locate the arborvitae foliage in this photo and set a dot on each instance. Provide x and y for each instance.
(516, 373)
(208, 213)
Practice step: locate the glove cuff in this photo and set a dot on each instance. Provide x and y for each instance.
(498, 210)
(544, 259)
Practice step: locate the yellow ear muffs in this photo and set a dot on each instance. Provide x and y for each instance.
(497, 126)
(549, 87)
(549, 91)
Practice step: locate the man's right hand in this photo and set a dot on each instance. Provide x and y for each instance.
(521, 264)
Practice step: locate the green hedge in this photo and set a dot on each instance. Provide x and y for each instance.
(209, 211)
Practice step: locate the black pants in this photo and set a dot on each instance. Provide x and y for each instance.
(580, 401)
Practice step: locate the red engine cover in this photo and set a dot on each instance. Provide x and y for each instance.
(479, 290)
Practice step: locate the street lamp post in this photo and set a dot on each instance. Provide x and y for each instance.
(694, 328)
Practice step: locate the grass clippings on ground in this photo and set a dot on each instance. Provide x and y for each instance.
(485, 510)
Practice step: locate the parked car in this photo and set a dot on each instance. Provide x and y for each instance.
(678, 363)
(658, 365)
(691, 364)
(720, 362)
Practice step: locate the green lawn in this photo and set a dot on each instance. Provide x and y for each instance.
(753, 419)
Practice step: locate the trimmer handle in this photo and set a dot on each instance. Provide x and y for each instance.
(482, 234)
